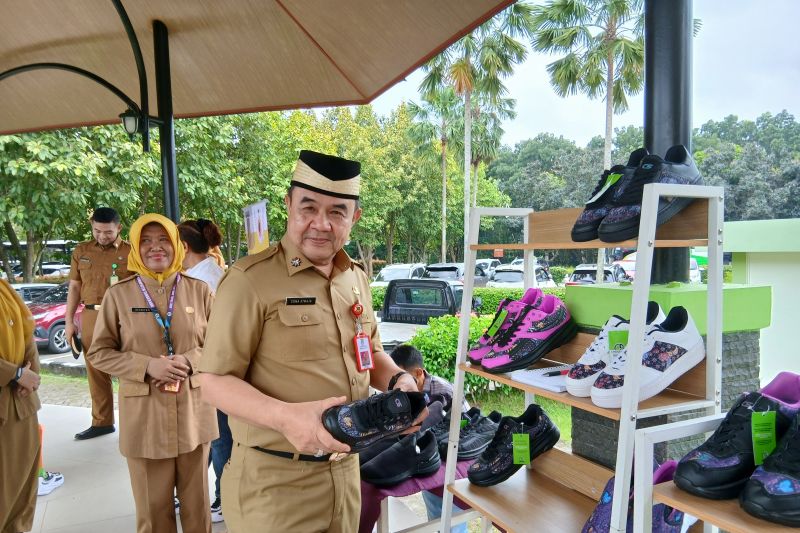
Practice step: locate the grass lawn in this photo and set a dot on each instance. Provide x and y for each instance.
(513, 404)
(54, 380)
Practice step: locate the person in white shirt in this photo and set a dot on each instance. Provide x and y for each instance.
(201, 239)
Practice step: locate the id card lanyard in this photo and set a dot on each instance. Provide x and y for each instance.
(164, 324)
(361, 340)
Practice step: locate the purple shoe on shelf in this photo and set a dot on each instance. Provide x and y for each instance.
(507, 312)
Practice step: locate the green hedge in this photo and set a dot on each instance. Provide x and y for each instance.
(378, 294)
(490, 297)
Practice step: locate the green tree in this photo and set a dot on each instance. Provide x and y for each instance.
(604, 46)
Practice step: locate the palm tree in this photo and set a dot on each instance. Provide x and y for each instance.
(478, 62)
(604, 45)
(433, 122)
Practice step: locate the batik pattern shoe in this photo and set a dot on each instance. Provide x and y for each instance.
(598, 355)
(773, 491)
(507, 312)
(720, 467)
(611, 185)
(536, 333)
(362, 423)
(496, 464)
(622, 221)
(671, 349)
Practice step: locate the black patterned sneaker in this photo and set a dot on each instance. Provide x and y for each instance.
(476, 436)
(612, 183)
(415, 455)
(364, 422)
(496, 464)
(720, 467)
(773, 491)
(622, 221)
(441, 431)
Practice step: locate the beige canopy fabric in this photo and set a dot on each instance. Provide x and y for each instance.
(227, 56)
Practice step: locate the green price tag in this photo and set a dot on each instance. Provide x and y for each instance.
(610, 180)
(522, 448)
(494, 326)
(763, 431)
(464, 423)
(617, 340)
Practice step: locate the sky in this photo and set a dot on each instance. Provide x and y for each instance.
(746, 62)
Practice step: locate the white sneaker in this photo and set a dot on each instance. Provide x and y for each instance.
(49, 482)
(598, 355)
(671, 349)
(216, 512)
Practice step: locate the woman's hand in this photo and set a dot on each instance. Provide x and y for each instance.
(28, 382)
(167, 370)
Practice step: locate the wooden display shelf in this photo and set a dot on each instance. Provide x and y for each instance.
(725, 514)
(570, 245)
(549, 497)
(667, 398)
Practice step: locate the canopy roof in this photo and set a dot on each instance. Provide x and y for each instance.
(227, 56)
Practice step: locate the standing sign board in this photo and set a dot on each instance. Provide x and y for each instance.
(255, 227)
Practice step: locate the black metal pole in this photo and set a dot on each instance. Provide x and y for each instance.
(668, 102)
(166, 138)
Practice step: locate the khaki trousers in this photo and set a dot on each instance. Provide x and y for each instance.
(262, 492)
(154, 482)
(100, 388)
(19, 469)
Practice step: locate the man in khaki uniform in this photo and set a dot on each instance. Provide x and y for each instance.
(164, 435)
(96, 264)
(280, 350)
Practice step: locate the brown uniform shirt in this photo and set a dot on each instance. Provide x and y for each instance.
(154, 424)
(13, 406)
(92, 266)
(286, 329)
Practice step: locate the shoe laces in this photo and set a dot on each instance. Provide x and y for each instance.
(601, 339)
(632, 195)
(509, 333)
(786, 457)
(376, 413)
(601, 182)
(724, 437)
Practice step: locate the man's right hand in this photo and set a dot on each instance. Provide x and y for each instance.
(167, 370)
(302, 427)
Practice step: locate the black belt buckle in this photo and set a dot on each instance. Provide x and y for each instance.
(301, 457)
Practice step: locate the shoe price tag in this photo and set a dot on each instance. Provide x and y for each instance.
(521, 443)
(491, 331)
(617, 340)
(463, 423)
(610, 180)
(763, 431)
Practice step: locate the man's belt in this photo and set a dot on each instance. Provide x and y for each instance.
(93, 307)
(300, 456)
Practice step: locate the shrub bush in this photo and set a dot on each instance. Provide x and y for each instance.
(378, 294)
(491, 296)
(559, 272)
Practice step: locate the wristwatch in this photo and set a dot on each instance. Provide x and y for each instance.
(17, 375)
(393, 381)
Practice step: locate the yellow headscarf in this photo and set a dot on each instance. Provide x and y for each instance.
(15, 314)
(135, 263)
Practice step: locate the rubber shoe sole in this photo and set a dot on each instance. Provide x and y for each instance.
(785, 518)
(629, 229)
(585, 232)
(426, 469)
(565, 334)
(728, 491)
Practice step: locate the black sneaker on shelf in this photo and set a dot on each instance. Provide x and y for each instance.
(442, 430)
(496, 464)
(415, 455)
(622, 221)
(719, 468)
(773, 491)
(476, 436)
(364, 422)
(611, 185)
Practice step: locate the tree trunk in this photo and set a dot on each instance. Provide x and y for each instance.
(365, 254)
(390, 241)
(609, 98)
(475, 185)
(6, 261)
(444, 197)
(467, 165)
(30, 257)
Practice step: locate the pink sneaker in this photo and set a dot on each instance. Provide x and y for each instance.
(536, 332)
(507, 312)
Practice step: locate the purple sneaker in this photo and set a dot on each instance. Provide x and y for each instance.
(536, 332)
(721, 466)
(611, 185)
(507, 312)
(665, 518)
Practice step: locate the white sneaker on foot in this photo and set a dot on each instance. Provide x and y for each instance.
(216, 512)
(49, 482)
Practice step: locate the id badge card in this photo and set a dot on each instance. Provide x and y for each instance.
(171, 387)
(363, 348)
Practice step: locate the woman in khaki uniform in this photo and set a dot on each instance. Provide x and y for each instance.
(164, 434)
(19, 425)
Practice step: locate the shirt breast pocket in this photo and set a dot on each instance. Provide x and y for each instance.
(84, 265)
(301, 334)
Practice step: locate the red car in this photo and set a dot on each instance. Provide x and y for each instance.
(49, 310)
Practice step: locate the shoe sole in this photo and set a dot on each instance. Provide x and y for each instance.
(581, 388)
(565, 334)
(719, 492)
(586, 232)
(473, 454)
(792, 520)
(629, 229)
(689, 360)
(537, 451)
(426, 469)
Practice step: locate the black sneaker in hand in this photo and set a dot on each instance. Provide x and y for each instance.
(496, 464)
(362, 423)
(415, 455)
(476, 436)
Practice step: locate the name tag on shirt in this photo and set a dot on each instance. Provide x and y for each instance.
(303, 300)
(140, 309)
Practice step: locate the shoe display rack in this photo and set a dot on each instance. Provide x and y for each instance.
(560, 490)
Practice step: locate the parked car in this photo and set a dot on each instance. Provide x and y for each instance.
(398, 271)
(49, 311)
(30, 291)
(454, 271)
(488, 265)
(587, 273)
(512, 277)
(47, 270)
(629, 264)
